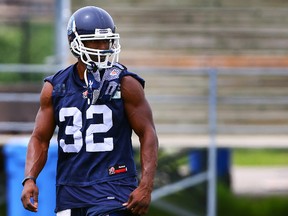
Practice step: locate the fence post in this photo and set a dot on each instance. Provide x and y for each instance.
(212, 153)
(62, 14)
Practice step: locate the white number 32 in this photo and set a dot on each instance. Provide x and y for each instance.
(75, 129)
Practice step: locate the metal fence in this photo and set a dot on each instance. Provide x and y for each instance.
(193, 101)
(250, 100)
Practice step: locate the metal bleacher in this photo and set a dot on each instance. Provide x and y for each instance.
(173, 46)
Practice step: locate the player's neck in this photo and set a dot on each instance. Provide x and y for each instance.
(81, 67)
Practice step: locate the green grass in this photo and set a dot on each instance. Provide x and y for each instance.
(260, 157)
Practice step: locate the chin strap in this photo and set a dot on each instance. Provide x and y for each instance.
(93, 82)
(92, 67)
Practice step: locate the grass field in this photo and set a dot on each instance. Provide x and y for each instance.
(260, 157)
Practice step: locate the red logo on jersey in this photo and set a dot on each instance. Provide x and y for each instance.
(113, 73)
(85, 94)
(117, 169)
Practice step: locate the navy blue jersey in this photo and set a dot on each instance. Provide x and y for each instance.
(94, 139)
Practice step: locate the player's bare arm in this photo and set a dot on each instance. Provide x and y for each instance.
(38, 148)
(140, 117)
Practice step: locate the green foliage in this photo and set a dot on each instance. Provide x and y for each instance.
(230, 204)
(3, 209)
(193, 201)
(42, 42)
(27, 43)
(8, 78)
(10, 42)
(190, 200)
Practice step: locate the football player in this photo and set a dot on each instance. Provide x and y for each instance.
(95, 103)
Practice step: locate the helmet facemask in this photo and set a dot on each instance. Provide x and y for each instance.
(101, 58)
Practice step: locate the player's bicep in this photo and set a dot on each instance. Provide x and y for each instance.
(44, 122)
(137, 107)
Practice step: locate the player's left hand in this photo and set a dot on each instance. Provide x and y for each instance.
(139, 201)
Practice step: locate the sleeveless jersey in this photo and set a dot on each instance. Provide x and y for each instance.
(94, 139)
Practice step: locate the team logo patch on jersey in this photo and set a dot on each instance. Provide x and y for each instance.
(117, 169)
(114, 72)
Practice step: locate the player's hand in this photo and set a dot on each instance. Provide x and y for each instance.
(29, 196)
(139, 201)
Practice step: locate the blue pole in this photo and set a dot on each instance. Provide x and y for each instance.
(212, 153)
(62, 14)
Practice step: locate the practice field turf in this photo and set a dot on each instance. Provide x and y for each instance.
(260, 157)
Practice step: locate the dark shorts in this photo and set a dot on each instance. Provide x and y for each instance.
(98, 199)
(92, 211)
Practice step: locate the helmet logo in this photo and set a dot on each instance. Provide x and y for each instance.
(103, 31)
